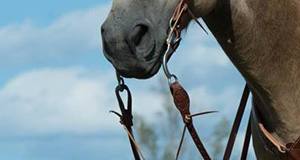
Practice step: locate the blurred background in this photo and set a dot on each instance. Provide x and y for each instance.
(56, 89)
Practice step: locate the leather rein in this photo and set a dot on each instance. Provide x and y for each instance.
(182, 101)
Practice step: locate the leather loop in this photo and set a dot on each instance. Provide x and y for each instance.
(126, 118)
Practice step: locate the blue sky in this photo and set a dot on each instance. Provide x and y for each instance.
(56, 88)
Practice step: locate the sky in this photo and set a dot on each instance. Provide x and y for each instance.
(56, 87)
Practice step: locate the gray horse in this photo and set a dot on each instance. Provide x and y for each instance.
(261, 37)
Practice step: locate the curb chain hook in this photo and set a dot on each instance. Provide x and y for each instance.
(120, 79)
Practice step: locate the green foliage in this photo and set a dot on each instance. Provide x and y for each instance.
(168, 153)
(220, 133)
(147, 136)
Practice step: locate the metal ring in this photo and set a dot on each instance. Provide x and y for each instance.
(172, 77)
(120, 79)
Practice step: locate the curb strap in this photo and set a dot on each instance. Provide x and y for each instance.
(182, 102)
(126, 116)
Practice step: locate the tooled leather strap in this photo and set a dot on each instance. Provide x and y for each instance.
(182, 102)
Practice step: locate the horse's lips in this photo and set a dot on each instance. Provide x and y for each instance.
(151, 65)
(144, 73)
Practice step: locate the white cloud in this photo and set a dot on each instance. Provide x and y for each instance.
(224, 101)
(53, 100)
(75, 100)
(70, 35)
(72, 100)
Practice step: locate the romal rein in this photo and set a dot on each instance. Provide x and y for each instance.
(180, 96)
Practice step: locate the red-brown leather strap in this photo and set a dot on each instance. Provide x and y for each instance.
(181, 99)
(182, 102)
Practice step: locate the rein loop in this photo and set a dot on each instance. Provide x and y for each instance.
(126, 116)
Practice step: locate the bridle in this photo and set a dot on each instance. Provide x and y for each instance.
(180, 96)
(182, 101)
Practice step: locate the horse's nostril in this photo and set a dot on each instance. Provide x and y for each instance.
(138, 33)
(140, 41)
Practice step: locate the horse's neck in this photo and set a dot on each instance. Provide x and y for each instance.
(262, 40)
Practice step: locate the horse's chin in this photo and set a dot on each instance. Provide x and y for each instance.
(145, 74)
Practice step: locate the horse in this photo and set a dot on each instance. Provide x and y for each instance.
(260, 37)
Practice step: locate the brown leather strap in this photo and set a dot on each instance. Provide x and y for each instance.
(236, 124)
(182, 102)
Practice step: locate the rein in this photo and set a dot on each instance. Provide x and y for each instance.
(179, 94)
